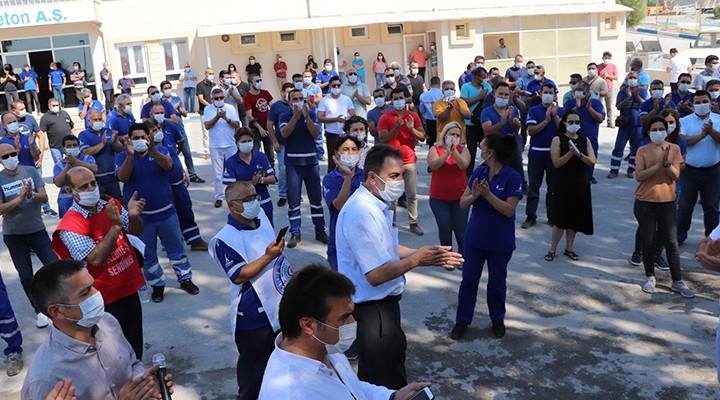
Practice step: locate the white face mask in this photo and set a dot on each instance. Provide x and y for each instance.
(211, 77)
(93, 308)
(306, 80)
(716, 67)
(349, 160)
(140, 145)
(379, 101)
(252, 62)
(227, 81)
(714, 94)
(397, 71)
(126, 76)
(531, 71)
(98, 126)
(251, 209)
(127, 109)
(11, 163)
(298, 85)
(547, 98)
(328, 68)
(187, 69)
(658, 137)
(258, 85)
(538, 77)
(347, 335)
(449, 93)
(88, 199)
(399, 104)
(335, 91)
(632, 82)
(352, 78)
(393, 190)
(219, 103)
(702, 109)
(580, 94)
(606, 60)
(75, 151)
(245, 147)
(22, 113)
(572, 128)
(572, 87)
(167, 92)
(156, 97)
(518, 65)
(13, 127)
(414, 71)
(160, 118)
(592, 72)
(359, 136)
(671, 127)
(448, 140)
(683, 87)
(500, 102)
(55, 109)
(158, 138)
(480, 65)
(298, 105)
(389, 79)
(656, 94)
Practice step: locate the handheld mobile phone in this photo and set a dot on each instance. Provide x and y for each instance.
(572, 144)
(424, 394)
(281, 234)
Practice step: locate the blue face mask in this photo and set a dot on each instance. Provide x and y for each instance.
(501, 102)
(399, 104)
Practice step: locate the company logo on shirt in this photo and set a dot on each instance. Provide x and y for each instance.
(262, 105)
(12, 189)
(282, 272)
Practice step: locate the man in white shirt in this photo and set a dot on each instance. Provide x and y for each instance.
(676, 66)
(333, 110)
(220, 120)
(316, 319)
(369, 254)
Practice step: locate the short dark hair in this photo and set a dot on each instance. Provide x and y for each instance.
(294, 91)
(592, 64)
(657, 82)
(287, 85)
(685, 74)
(505, 147)
(334, 78)
(709, 59)
(701, 93)
(244, 131)
(712, 82)
(379, 90)
(548, 85)
(297, 75)
(342, 139)
(478, 70)
(222, 73)
(49, 284)
(138, 127)
(397, 90)
(576, 76)
(434, 80)
(163, 83)
(354, 120)
(151, 87)
(502, 84)
(375, 159)
(307, 294)
(657, 118)
(69, 138)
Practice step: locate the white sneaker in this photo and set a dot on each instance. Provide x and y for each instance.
(649, 286)
(42, 321)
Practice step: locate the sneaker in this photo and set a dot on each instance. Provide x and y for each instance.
(498, 329)
(196, 179)
(294, 240)
(322, 237)
(188, 286)
(681, 287)
(649, 286)
(41, 321)
(529, 223)
(612, 175)
(661, 264)
(631, 174)
(281, 202)
(14, 364)
(199, 246)
(593, 180)
(50, 212)
(636, 258)
(415, 228)
(458, 331)
(158, 294)
(218, 203)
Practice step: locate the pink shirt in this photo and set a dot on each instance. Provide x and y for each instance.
(609, 69)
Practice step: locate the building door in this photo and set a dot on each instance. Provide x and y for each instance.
(410, 43)
(40, 61)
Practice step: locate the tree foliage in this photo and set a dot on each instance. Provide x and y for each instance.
(635, 17)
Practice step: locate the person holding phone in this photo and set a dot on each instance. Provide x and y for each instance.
(248, 252)
(571, 153)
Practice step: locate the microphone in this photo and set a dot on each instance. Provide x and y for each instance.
(159, 359)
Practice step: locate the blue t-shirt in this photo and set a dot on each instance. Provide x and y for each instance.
(276, 109)
(590, 127)
(105, 159)
(169, 109)
(300, 145)
(540, 142)
(332, 184)
(152, 184)
(492, 115)
(375, 114)
(106, 77)
(468, 92)
(250, 303)
(487, 227)
(27, 124)
(535, 87)
(236, 169)
(324, 77)
(56, 78)
(24, 156)
(30, 83)
(117, 123)
(95, 105)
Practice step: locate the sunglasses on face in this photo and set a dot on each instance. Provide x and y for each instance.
(6, 156)
(218, 98)
(153, 93)
(352, 74)
(389, 76)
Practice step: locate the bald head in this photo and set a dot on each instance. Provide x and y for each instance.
(79, 179)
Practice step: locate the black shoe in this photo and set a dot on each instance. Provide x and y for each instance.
(458, 331)
(322, 237)
(188, 286)
(529, 223)
(402, 203)
(50, 212)
(498, 329)
(321, 158)
(661, 264)
(593, 180)
(218, 203)
(196, 179)
(294, 240)
(281, 202)
(158, 294)
(415, 228)
(636, 258)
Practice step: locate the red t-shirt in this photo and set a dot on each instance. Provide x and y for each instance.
(404, 140)
(259, 104)
(278, 66)
(448, 182)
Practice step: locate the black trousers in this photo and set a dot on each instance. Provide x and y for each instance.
(431, 130)
(109, 99)
(267, 145)
(330, 139)
(128, 312)
(537, 168)
(473, 136)
(658, 223)
(254, 348)
(421, 72)
(381, 343)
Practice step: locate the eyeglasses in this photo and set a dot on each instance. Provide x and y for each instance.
(6, 156)
(218, 98)
(573, 122)
(247, 199)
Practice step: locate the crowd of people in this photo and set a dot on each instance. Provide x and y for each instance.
(124, 186)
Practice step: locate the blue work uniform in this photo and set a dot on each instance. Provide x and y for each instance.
(118, 123)
(631, 132)
(105, 161)
(94, 105)
(677, 100)
(539, 162)
(64, 199)
(236, 169)
(535, 87)
(324, 77)
(9, 329)
(374, 116)
(276, 109)
(490, 114)
(332, 184)
(169, 109)
(24, 156)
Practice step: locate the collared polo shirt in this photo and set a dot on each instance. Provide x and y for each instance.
(324, 77)
(169, 109)
(152, 184)
(514, 74)
(703, 78)
(24, 156)
(105, 159)
(63, 196)
(94, 105)
(706, 152)
(118, 123)
(30, 84)
(276, 109)
(236, 169)
(491, 114)
(404, 139)
(56, 78)
(427, 103)
(56, 126)
(362, 89)
(300, 145)
(541, 141)
(590, 127)
(677, 99)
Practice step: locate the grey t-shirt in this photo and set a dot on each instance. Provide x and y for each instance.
(25, 218)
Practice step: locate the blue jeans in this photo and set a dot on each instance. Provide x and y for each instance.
(705, 182)
(9, 329)
(19, 247)
(591, 168)
(189, 99)
(186, 152)
(56, 155)
(281, 175)
(361, 77)
(379, 78)
(632, 134)
(475, 259)
(450, 217)
(168, 230)
(296, 176)
(319, 144)
(59, 95)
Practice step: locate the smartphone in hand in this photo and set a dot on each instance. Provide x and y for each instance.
(281, 234)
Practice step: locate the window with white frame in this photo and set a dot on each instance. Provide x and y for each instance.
(133, 60)
(395, 29)
(288, 37)
(175, 54)
(359, 32)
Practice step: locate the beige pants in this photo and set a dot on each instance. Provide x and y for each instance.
(410, 178)
(280, 82)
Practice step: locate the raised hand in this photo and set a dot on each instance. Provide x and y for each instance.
(114, 214)
(135, 206)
